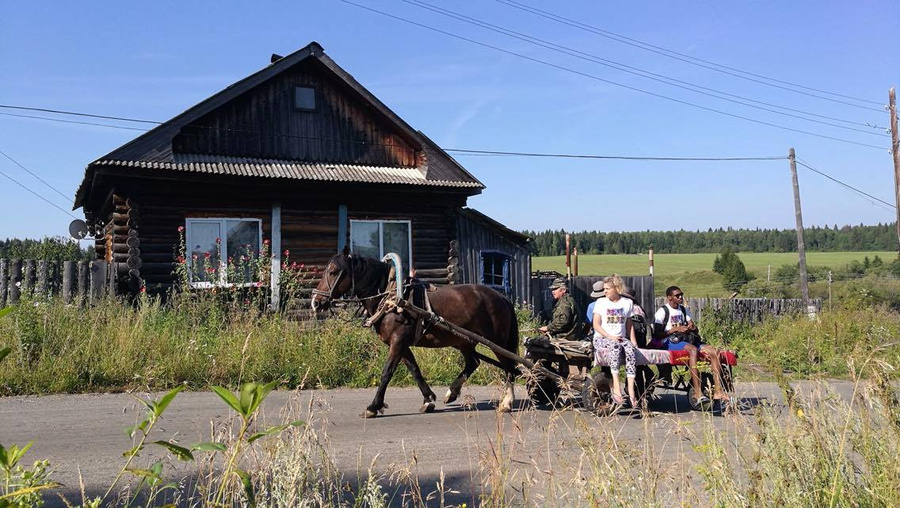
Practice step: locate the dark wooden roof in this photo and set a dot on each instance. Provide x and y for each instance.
(513, 236)
(154, 149)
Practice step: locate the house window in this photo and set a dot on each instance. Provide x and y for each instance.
(375, 238)
(223, 251)
(495, 270)
(304, 98)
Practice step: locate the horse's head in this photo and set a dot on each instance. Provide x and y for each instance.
(336, 281)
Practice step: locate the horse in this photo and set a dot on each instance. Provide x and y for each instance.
(479, 309)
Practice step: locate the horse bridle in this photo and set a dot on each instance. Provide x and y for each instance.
(329, 295)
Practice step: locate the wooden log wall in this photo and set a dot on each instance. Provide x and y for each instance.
(747, 310)
(73, 282)
(118, 243)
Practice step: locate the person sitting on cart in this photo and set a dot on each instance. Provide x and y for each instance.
(614, 334)
(677, 331)
(564, 319)
(596, 294)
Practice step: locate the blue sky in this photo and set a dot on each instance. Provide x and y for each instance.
(154, 60)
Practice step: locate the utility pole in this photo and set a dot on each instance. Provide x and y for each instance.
(801, 247)
(895, 151)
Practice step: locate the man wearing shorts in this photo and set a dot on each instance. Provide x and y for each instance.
(677, 331)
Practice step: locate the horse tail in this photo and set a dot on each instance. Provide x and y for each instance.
(512, 340)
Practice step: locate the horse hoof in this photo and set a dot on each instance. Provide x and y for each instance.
(428, 407)
(504, 409)
(369, 414)
(450, 397)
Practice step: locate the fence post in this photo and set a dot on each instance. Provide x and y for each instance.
(43, 272)
(4, 281)
(84, 273)
(15, 281)
(99, 278)
(28, 277)
(68, 281)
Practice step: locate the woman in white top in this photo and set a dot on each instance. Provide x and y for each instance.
(613, 334)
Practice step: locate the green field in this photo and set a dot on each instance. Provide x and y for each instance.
(694, 271)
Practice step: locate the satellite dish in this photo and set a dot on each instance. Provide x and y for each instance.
(78, 229)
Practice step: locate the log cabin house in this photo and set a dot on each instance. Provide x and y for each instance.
(297, 160)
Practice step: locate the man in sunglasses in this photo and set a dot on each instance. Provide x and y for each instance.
(675, 326)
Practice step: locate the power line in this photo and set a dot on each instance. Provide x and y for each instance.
(34, 175)
(35, 117)
(454, 150)
(610, 157)
(706, 64)
(54, 205)
(604, 80)
(661, 78)
(854, 189)
(61, 112)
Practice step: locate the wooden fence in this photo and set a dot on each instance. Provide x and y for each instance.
(749, 310)
(75, 282)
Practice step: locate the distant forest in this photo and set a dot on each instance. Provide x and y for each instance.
(821, 239)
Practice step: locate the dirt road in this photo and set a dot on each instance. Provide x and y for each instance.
(85, 432)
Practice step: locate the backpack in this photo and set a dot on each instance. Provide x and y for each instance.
(640, 330)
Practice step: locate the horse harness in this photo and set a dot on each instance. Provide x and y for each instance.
(414, 291)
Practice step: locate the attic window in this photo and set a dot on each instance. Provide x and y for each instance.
(304, 98)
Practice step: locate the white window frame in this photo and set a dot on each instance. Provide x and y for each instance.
(381, 224)
(223, 258)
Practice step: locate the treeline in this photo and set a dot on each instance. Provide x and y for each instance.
(821, 239)
(51, 249)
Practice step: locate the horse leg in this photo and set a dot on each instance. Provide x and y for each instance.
(410, 361)
(472, 363)
(510, 395)
(390, 365)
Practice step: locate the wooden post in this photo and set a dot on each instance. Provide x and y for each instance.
(15, 281)
(68, 282)
(4, 281)
(650, 255)
(895, 151)
(275, 282)
(43, 280)
(84, 278)
(575, 251)
(568, 256)
(801, 247)
(98, 280)
(28, 277)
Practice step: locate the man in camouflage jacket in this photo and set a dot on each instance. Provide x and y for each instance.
(564, 319)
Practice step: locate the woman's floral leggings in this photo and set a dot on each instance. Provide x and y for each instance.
(611, 349)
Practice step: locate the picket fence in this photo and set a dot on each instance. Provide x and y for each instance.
(74, 281)
(747, 310)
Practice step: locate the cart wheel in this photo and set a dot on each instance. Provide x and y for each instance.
(595, 396)
(706, 385)
(541, 388)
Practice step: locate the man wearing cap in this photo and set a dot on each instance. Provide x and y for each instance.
(564, 319)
